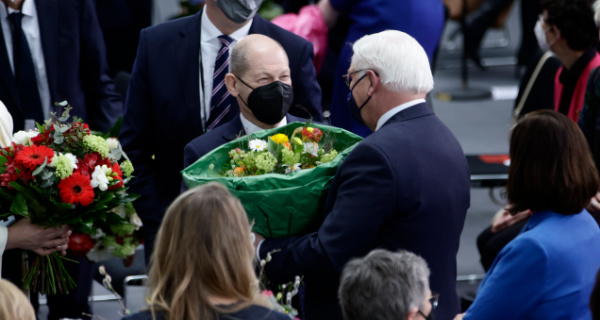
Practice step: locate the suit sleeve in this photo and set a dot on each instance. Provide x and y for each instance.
(137, 134)
(190, 155)
(513, 285)
(103, 103)
(363, 201)
(307, 92)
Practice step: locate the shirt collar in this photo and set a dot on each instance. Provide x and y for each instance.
(28, 9)
(390, 113)
(211, 32)
(251, 128)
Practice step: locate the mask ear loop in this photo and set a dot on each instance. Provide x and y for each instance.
(242, 81)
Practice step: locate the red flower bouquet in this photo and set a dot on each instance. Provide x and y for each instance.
(59, 174)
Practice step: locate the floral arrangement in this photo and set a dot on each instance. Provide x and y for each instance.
(59, 174)
(281, 154)
(281, 300)
(280, 175)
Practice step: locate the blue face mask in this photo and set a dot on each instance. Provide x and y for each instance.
(353, 108)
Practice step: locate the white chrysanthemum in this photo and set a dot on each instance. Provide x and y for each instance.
(113, 143)
(24, 137)
(293, 168)
(136, 221)
(257, 145)
(99, 179)
(311, 148)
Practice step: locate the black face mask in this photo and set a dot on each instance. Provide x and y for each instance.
(271, 102)
(353, 108)
(429, 317)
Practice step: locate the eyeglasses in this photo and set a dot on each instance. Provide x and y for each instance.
(347, 78)
(434, 303)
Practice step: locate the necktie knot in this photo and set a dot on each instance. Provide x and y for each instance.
(225, 40)
(15, 19)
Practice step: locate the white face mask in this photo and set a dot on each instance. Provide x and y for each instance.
(540, 35)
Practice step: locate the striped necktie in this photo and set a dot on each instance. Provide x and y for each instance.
(221, 101)
(31, 105)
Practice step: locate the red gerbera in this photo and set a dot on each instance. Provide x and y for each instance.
(76, 189)
(31, 157)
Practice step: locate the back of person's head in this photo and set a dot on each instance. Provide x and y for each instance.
(398, 59)
(575, 20)
(203, 249)
(551, 165)
(13, 303)
(383, 285)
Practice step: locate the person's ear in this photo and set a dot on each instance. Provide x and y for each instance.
(375, 82)
(231, 82)
(413, 314)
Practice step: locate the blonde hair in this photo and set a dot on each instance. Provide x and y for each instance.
(203, 249)
(13, 303)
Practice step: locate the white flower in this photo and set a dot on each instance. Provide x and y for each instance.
(113, 143)
(69, 156)
(120, 210)
(292, 168)
(257, 145)
(99, 179)
(24, 137)
(136, 221)
(311, 148)
(100, 253)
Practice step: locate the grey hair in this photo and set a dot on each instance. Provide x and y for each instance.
(398, 59)
(238, 61)
(383, 285)
(597, 12)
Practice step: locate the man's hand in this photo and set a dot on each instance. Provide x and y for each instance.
(506, 220)
(257, 239)
(459, 316)
(43, 241)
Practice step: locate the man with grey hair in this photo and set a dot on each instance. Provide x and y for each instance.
(386, 285)
(406, 186)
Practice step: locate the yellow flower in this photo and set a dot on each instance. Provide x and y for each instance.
(280, 138)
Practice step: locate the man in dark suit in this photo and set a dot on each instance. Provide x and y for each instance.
(259, 61)
(169, 102)
(69, 61)
(406, 186)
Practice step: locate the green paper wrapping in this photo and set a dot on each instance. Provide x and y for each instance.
(279, 205)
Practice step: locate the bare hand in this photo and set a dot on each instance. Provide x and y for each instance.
(257, 239)
(330, 14)
(459, 316)
(43, 241)
(507, 220)
(593, 206)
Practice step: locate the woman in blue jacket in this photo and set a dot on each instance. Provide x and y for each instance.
(548, 270)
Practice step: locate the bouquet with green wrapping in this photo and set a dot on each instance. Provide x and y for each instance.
(280, 175)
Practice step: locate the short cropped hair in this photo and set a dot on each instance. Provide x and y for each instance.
(575, 20)
(383, 285)
(551, 165)
(398, 59)
(239, 62)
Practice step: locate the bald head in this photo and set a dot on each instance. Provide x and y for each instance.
(255, 50)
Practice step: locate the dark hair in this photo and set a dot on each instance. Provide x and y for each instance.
(575, 20)
(551, 165)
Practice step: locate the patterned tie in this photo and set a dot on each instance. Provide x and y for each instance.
(31, 105)
(221, 100)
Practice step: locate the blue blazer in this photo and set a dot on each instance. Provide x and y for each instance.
(162, 112)
(546, 272)
(406, 186)
(76, 65)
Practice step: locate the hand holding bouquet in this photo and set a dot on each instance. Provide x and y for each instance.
(61, 174)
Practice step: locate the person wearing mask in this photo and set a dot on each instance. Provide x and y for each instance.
(382, 195)
(177, 92)
(259, 79)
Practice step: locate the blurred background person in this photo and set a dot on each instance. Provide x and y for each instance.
(548, 270)
(13, 303)
(422, 19)
(202, 266)
(386, 285)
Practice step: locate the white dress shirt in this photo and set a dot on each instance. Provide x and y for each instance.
(392, 112)
(31, 28)
(209, 47)
(251, 128)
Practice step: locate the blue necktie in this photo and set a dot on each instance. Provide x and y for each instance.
(31, 105)
(221, 100)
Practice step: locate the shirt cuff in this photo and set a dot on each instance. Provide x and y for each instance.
(258, 249)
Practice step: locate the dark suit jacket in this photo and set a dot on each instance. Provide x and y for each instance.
(406, 186)
(162, 112)
(75, 61)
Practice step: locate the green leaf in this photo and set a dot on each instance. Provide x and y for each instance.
(40, 168)
(19, 205)
(114, 219)
(116, 129)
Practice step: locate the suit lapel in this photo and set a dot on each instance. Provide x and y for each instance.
(47, 11)
(259, 25)
(8, 78)
(235, 129)
(187, 46)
